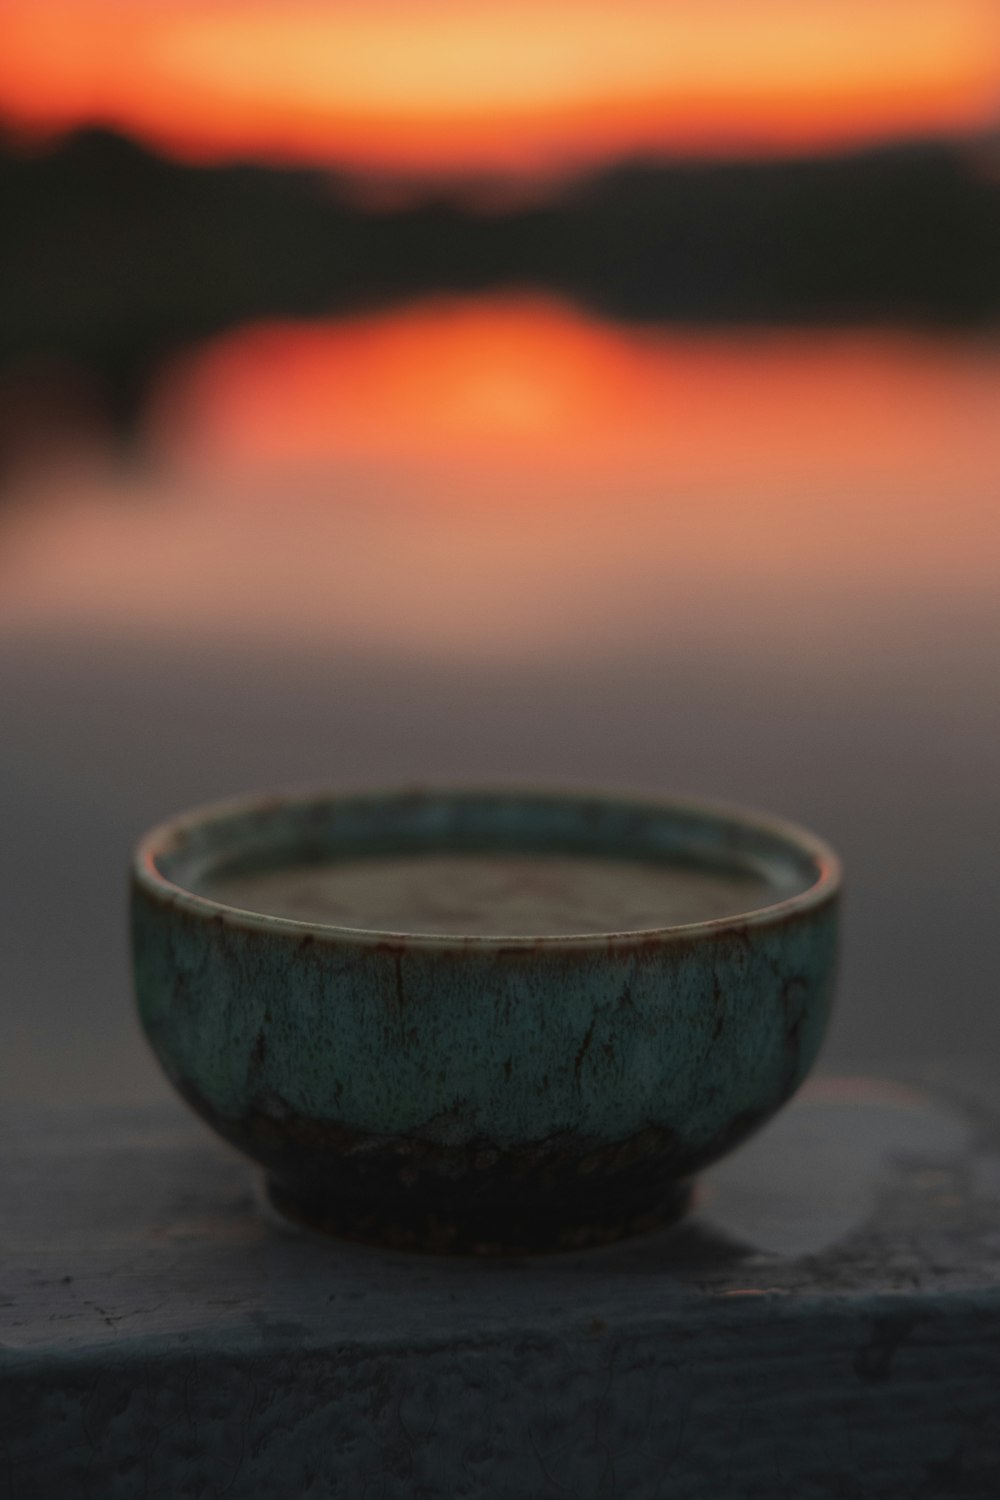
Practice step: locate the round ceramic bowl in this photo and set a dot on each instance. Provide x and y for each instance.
(478, 1020)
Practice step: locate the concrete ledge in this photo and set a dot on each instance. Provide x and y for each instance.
(827, 1323)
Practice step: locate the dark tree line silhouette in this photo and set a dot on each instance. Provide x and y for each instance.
(112, 256)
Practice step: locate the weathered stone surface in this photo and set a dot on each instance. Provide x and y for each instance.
(826, 1323)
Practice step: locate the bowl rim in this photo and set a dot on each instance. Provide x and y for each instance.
(824, 889)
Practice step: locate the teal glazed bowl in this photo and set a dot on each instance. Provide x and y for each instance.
(483, 1021)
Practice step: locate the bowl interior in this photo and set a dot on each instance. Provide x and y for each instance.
(486, 864)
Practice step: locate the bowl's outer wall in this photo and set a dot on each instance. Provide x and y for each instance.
(703, 1035)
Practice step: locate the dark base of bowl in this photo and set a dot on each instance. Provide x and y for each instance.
(474, 1233)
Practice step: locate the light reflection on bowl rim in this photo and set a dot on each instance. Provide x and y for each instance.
(800, 841)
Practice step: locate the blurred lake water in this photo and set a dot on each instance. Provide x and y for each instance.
(498, 538)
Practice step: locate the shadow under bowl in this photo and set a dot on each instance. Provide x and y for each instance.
(483, 1021)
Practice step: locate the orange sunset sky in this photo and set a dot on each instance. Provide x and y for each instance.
(525, 85)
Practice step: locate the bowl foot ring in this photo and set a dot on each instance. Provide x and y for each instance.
(435, 1233)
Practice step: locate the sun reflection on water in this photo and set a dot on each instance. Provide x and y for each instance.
(509, 477)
